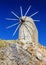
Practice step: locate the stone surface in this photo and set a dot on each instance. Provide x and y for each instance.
(28, 31)
(16, 53)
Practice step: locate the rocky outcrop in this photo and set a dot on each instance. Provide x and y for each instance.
(17, 53)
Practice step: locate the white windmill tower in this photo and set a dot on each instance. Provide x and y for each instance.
(27, 28)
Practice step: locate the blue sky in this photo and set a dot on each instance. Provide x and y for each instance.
(6, 6)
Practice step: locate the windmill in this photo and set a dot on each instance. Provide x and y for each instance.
(27, 28)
